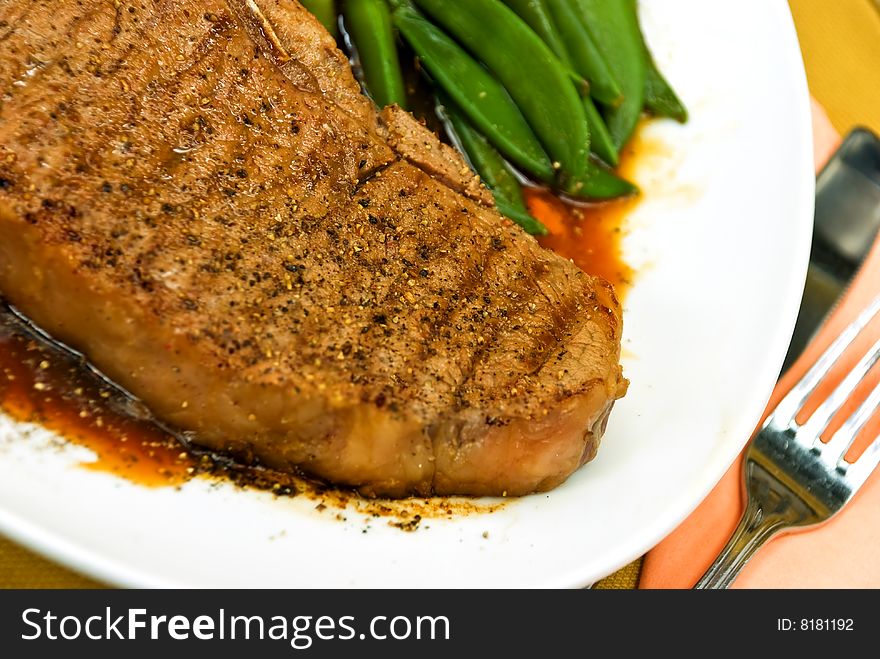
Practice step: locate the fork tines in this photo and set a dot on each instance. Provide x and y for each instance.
(832, 453)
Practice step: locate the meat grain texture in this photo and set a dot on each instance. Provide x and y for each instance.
(196, 195)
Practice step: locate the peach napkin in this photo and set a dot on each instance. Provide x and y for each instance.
(841, 554)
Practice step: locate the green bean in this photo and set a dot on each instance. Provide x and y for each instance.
(660, 99)
(586, 58)
(536, 14)
(368, 22)
(615, 29)
(599, 183)
(480, 96)
(525, 65)
(600, 138)
(520, 214)
(325, 12)
(494, 172)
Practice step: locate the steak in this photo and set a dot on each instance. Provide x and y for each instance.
(197, 197)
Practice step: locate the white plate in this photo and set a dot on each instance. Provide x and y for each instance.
(720, 245)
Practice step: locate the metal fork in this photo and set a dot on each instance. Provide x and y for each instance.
(793, 479)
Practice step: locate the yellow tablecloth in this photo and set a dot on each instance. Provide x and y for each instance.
(840, 40)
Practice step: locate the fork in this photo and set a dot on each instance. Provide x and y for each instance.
(792, 478)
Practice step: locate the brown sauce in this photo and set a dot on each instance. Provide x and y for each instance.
(42, 382)
(591, 235)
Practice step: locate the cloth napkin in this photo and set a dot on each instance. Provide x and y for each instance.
(841, 554)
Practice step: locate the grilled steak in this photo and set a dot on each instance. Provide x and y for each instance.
(196, 196)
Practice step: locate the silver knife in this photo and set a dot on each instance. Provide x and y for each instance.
(846, 227)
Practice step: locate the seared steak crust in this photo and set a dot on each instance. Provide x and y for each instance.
(196, 196)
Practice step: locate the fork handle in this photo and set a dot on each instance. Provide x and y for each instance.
(754, 529)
